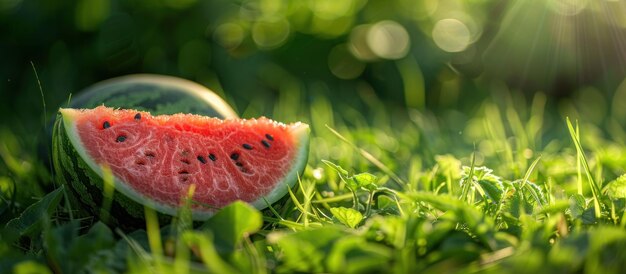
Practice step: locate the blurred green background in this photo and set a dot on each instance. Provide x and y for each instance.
(428, 55)
(423, 87)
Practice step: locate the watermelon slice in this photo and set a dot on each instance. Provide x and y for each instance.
(155, 159)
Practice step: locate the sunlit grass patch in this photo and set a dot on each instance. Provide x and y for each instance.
(408, 192)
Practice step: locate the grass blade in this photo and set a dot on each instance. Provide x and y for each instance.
(527, 177)
(595, 190)
(154, 237)
(400, 183)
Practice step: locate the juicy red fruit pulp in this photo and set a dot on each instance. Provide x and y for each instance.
(162, 156)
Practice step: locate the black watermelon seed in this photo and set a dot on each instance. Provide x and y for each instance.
(202, 160)
(106, 124)
(234, 156)
(120, 138)
(138, 116)
(150, 154)
(265, 143)
(247, 146)
(212, 157)
(238, 164)
(183, 172)
(269, 137)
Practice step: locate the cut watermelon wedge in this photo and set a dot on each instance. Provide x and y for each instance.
(156, 159)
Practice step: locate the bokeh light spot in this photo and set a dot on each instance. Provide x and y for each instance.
(330, 28)
(422, 9)
(331, 9)
(591, 104)
(91, 13)
(268, 34)
(343, 64)
(229, 35)
(567, 7)
(272, 7)
(358, 43)
(318, 173)
(618, 104)
(388, 40)
(451, 35)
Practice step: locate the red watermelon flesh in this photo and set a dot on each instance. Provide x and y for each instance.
(155, 159)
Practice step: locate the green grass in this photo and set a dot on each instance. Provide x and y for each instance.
(496, 188)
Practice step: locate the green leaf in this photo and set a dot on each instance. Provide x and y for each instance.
(365, 180)
(479, 224)
(29, 223)
(7, 194)
(515, 205)
(389, 230)
(57, 242)
(558, 206)
(232, 223)
(337, 168)
(492, 190)
(482, 173)
(535, 192)
(352, 254)
(589, 216)
(577, 205)
(347, 216)
(204, 243)
(616, 189)
(68, 252)
(98, 244)
(449, 166)
(306, 250)
(607, 252)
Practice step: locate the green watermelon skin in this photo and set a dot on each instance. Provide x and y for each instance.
(157, 94)
(86, 186)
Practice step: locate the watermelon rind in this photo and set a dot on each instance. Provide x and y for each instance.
(67, 143)
(154, 93)
(86, 185)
